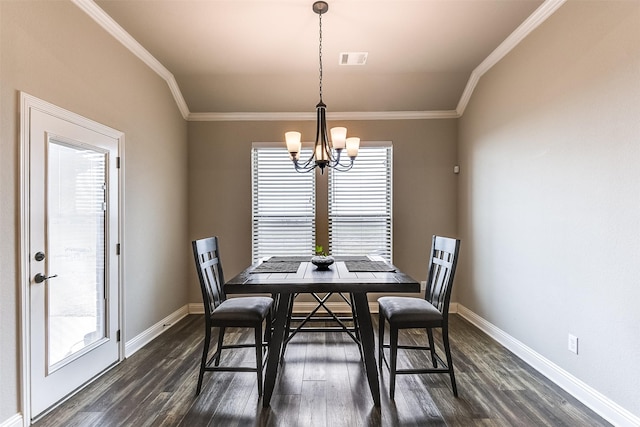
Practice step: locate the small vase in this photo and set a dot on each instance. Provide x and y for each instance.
(322, 262)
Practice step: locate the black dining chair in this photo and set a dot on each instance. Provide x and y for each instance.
(222, 313)
(430, 312)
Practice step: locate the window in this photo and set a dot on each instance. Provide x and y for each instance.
(360, 205)
(283, 205)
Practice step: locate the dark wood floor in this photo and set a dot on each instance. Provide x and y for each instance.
(321, 383)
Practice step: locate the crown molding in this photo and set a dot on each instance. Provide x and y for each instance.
(113, 28)
(545, 10)
(364, 115)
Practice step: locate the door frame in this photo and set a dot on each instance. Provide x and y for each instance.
(27, 103)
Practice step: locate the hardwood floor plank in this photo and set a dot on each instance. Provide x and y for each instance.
(321, 383)
(313, 404)
(284, 410)
(291, 372)
(316, 360)
(340, 392)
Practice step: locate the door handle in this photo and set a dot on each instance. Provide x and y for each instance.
(41, 277)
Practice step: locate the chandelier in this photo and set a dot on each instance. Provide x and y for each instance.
(325, 153)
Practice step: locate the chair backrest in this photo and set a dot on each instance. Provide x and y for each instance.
(209, 267)
(442, 269)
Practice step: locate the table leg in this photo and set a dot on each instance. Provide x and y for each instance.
(368, 345)
(275, 346)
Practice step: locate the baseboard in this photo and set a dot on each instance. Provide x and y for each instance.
(302, 307)
(196, 308)
(140, 340)
(336, 307)
(14, 421)
(307, 306)
(590, 397)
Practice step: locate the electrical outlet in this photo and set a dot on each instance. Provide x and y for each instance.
(573, 344)
(423, 285)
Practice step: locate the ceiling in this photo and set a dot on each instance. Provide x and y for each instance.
(259, 56)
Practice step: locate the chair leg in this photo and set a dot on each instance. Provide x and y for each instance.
(219, 349)
(380, 340)
(258, 339)
(267, 328)
(432, 347)
(272, 314)
(393, 340)
(447, 351)
(205, 354)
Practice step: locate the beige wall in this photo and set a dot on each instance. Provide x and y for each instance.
(424, 186)
(549, 199)
(547, 202)
(55, 52)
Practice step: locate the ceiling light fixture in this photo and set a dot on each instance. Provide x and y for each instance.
(325, 153)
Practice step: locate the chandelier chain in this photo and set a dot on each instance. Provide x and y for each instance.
(320, 54)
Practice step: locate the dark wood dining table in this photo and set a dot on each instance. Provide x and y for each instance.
(298, 275)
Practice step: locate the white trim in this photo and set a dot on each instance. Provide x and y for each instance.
(196, 308)
(25, 322)
(302, 307)
(453, 307)
(544, 11)
(112, 27)
(27, 103)
(590, 397)
(30, 101)
(355, 115)
(121, 240)
(15, 421)
(307, 306)
(140, 340)
(337, 307)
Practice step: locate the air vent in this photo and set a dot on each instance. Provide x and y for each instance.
(353, 58)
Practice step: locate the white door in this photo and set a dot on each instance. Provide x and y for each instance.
(73, 261)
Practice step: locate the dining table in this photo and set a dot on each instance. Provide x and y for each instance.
(285, 277)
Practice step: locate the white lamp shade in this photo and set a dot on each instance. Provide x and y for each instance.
(338, 137)
(353, 144)
(293, 141)
(321, 154)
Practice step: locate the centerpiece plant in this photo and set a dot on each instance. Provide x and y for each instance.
(322, 261)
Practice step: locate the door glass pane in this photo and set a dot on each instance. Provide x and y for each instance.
(76, 249)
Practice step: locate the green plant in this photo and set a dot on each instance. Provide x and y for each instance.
(320, 251)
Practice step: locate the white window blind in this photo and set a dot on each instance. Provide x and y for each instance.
(360, 205)
(283, 205)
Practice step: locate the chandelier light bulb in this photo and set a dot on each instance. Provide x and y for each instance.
(338, 137)
(293, 141)
(353, 144)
